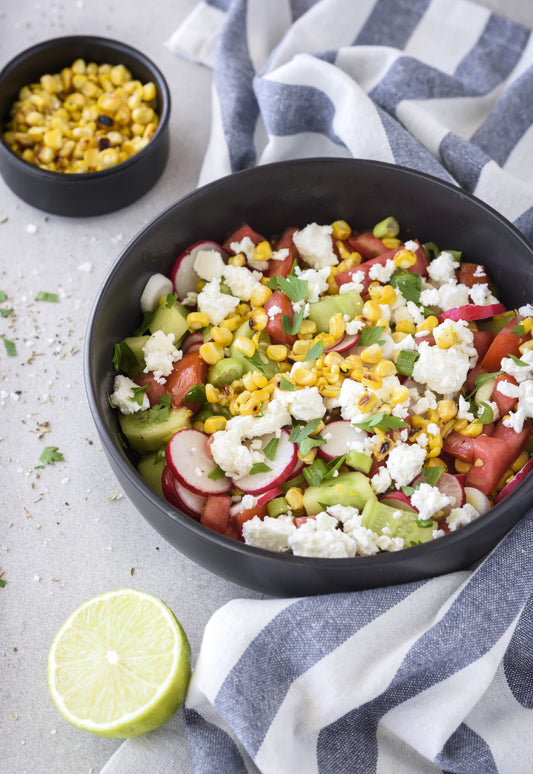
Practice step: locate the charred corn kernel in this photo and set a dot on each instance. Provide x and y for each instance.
(399, 395)
(343, 250)
(371, 381)
(371, 310)
(337, 326)
(428, 324)
(347, 263)
(262, 251)
(331, 360)
(340, 229)
(406, 327)
(277, 352)
(221, 336)
(446, 409)
(211, 393)
(418, 421)
(231, 323)
(301, 347)
(260, 295)
(391, 242)
(446, 428)
(197, 320)
(295, 498)
(473, 430)
(367, 402)
(520, 461)
(446, 338)
(53, 139)
(382, 294)
(435, 451)
(214, 424)
(330, 391)
(211, 353)
(242, 308)
(385, 368)
(372, 354)
(259, 319)
(404, 259)
(304, 377)
(461, 466)
(398, 336)
(460, 425)
(333, 288)
(308, 327)
(244, 345)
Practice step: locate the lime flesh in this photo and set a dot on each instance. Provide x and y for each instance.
(120, 665)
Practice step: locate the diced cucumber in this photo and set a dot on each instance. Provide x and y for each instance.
(277, 506)
(322, 311)
(376, 515)
(170, 319)
(496, 323)
(225, 371)
(145, 436)
(132, 356)
(346, 489)
(359, 461)
(151, 466)
(268, 367)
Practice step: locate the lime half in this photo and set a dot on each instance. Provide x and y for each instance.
(120, 664)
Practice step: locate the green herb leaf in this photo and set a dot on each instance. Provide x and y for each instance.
(3, 295)
(3, 583)
(51, 454)
(196, 394)
(138, 394)
(408, 283)
(284, 384)
(42, 296)
(334, 465)
(124, 357)
(271, 448)
(292, 286)
(171, 299)
(480, 379)
(415, 542)
(424, 522)
(216, 474)
(408, 490)
(301, 434)
(256, 361)
(487, 415)
(11, 349)
(5, 312)
(519, 330)
(145, 324)
(406, 361)
(315, 351)
(259, 467)
(518, 362)
(370, 335)
(381, 421)
(160, 411)
(433, 474)
(315, 472)
(292, 328)
(159, 457)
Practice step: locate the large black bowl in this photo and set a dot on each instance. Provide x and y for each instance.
(270, 198)
(91, 193)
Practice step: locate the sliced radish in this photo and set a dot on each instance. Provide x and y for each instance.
(450, 486)
(183, 276)
(191, 501)
(260, 500)
(471, 312)
(341, 437)
(515, 481)
(192, 342)
(344, 343)
(157, 286)
(281, 468)
(168, 485)
(477, 499)
(398, 500)
(189, 459)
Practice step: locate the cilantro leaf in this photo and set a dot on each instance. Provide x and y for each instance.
(433, 474)
(51, 454)
(315, 472)
(160, 411)
(519, 330)
(482, 378)
(170, 299)
(5, 312)
(196, 394)
(301, 434)
(315, 351)
(271, 448)
(42, 296)
(370, 335)
(3, 583)
(408, 283)
(216, 474)
(138, 394)
(285, 384)
(292, 328)
(293, 287)
(424, 522)
(259, 467)
(408, 490)
(381, 421)
(256, 361)
(518, 362)
(124, 357)
(487, 415)
(3, 295)
(145, 324)
(11, 349)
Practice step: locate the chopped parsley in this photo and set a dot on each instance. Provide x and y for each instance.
(408, 283)
(293, 327)
(138, 394)
(196, 394)
(371, 335)
(51, 297)
(216, 474)
(486, 416)
(145, 324)
(285, 384)
(293, 287)
(11, 349)
(3, 295)
(171, 299)
(519, 330)
(271, 448)
(518, 362)
(5, 312)
(433, 473)
(424, 522)
(259, 467)
(381, 421)
(160, 411)
(49, 455)
(315, 351)
(319, 470)
(303, 436)
(124, 357)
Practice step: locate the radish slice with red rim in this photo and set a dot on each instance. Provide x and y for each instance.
(472, 312)
(190, 460)
(515, 481)
(341, 436)
(344, 343)
(192, 342)
(398, 500)
(280, 468)
(182, 275)
(191, 501)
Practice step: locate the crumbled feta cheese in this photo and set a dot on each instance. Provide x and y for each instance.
(191, 299)
(315, 245)
(269, 533)
(459, 517)
(446, 297)
(433, 428)
(524, 409)
(273, 311)
(463, 411)
(442, 269)
(305, 404)
(355, 284)
(214, 304)
(424, 403)
(247, 247)
(526, 310)
(382, 273)
(160, 354)
(122, 396)
(279, 255)
(208, 264)
(519, 372)
(405, 462)
(328, 544)
(422, 440)
(481, 295)
(317, 282)
(353, 327)
(411, 245)
(429, 500)
(445, 370)
(248, 501)
(480, 272)
(381, 481)
(241, 281)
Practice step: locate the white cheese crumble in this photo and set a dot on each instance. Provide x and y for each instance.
(519, 372)
(241, 281)
(122, 396)
(442, 269)
(405, 462)
(459, 517)
(269, 533)
(317, 282)
(445, 370)
(429, 500)
(355, 284)
(315, 245)
(247, 247)
(381, 481)
(382, 272)
(160, 354)
(214, 304)
(524, 409)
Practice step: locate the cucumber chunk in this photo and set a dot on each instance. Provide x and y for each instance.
(322, 311)
(359, 461)
(377, 515)
(144, 436)
(346, 489)
(277, 506)
(170, 319)
(269, 367)
(151, 466)
(132, 356)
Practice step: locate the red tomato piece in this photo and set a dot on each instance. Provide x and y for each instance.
(420, 267)
(482, 341)
(154, 390)
(279, 301)
(471, 274)
(238, 519)
(215, 513)
(504, 403)
(238, 235)
(367, 244)
(505, 343)
(283, 268)
(460, 446)
(187, 372)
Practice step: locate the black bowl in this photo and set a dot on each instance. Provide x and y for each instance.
(91, 193)
(270, 198)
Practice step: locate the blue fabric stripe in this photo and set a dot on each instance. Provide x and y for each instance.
(525, 224)
(494, 56)
(233, 76)
(470, 627)
(211, 748)
(508, 121)
(466, 752)
(391, 25)
(299, 7)
(222, 5)
(304, 632)
(289, 109)
(463, 160)
(518, 659)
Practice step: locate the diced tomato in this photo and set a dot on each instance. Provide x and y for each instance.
(420, 267)
(496, 454)
(460, 446)
(299, 520)
(471, 274)
(188, 372)
(215, 513)
(274, 328)
(238, 235)
(505, 344)
(238, 519)
(482, 341)
(285, 242)
(367, 244)
(154, 390)
(504, 402)
(515, 442)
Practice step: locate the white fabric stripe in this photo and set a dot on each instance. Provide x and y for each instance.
(500, 719)
(266, 23)
(397, 757)
(356, 120)
(216, 161)
(520, 161)
(380, 647)
(446, 33)
(367, 65)
(301, 145)
(510, 196)
(328, 25)
(196, 37)
(421, 722)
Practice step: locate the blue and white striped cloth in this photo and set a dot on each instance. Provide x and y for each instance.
(429, 677)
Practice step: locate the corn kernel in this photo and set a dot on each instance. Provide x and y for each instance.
(337, 326)
(214, 424)
(221, 336)
(248, 381)
(367, 402)
(308, 458)
(244, 345)
(382, 294)
(343, 250)
(371, 310)
(391, 243)
(436, 462)
(277, 352)
(211, 353)
(525, 346)
(399, 395)
(259, 319)
(385, 368)
(308, 327)
(330, 391)
(301, 347)
(461, 466)
(429, 324)
(197, 320)
(231, 323)
(262, 251)
(435, 451)
(304, 377)
(295, 499)
(340, 229)
(372, 354)
(446, 409)
(371, 381)
(260, 295)
(211, 393)
(406, 327)
(473, 430)
(331, 360)
(237, 260)
(520, 461)
(446, 338)
(404, 259)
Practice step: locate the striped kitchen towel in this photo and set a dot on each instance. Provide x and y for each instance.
(424, 678)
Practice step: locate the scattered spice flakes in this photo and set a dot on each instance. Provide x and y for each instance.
(42, 428)
(11, 714)
(54, 579)
(27, 514)
(114, 496)
(132, 571)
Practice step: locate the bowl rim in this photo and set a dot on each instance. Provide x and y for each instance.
(117, 45)
(377, 562)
